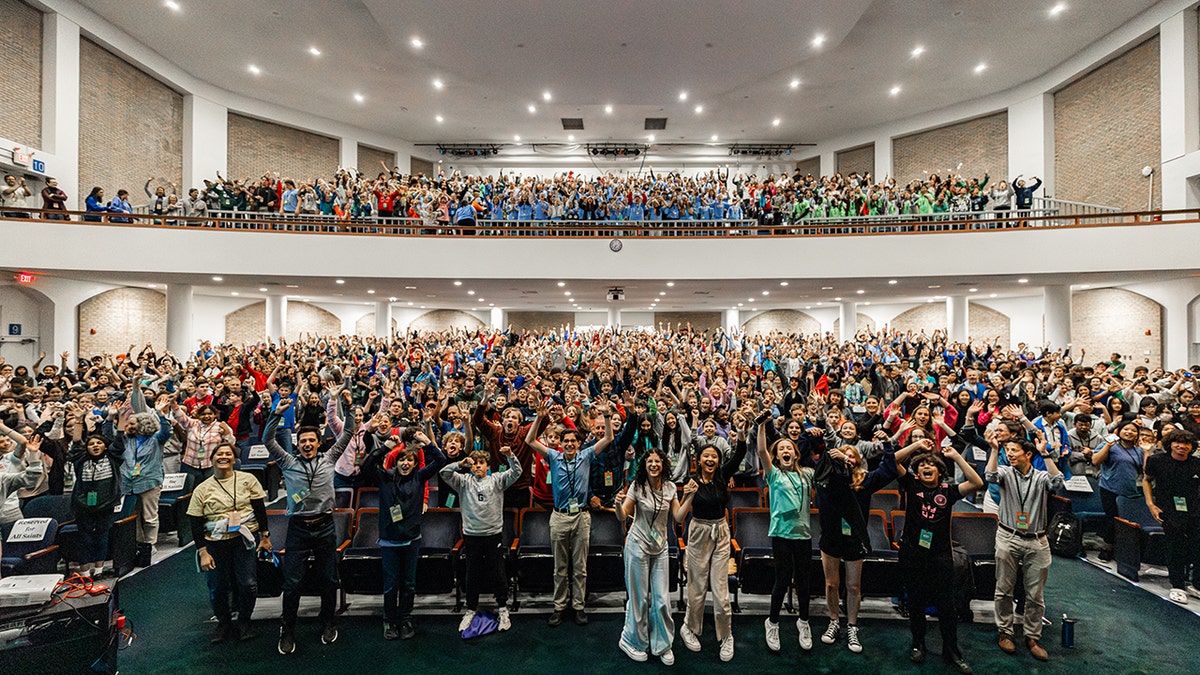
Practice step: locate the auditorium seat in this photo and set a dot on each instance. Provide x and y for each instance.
(441, 545)
(605, 560)
(976, 532)
(39, 556)
(172, 511)
(885, 501)
(256, 460)
(752, 550)
(362, 565)
(881, 568)
(532, 554)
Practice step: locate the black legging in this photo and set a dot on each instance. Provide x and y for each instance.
(1108, 501)
(792, 558)
(929, 579)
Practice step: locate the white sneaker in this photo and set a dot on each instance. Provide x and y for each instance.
(772, 635)
(1178, 596)
(668, 658)
(504, 620)
(727, 649)
(852, 639)
(805, 634)
(466, 620)
(1192, 591)
(689, 638)
(631, 651)
(831, 634)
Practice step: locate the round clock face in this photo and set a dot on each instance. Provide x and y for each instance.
(615, 245)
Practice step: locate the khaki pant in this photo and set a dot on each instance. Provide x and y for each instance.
(570, 537)
(708, 566)
(1031, 559)
(147, 516)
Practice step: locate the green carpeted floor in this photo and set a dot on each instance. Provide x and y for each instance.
(1121, 629)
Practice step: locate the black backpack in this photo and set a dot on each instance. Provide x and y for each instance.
(1065, 535)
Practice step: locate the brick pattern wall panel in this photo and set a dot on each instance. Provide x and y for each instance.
(928, 317)
(369, 159)
(985, 323)
(860, 160)
(787, 321)
(980, 145)
(255, 146)
(21, 86)
(113, 320)
(305, 318)
(443, 319)
(861, 322)
(700, 320)
(1106, 128)
(248, 324)
(417, 166)
(1107, 320)
(537, 321)
(365, 326)
(130, 126)
(812, 166)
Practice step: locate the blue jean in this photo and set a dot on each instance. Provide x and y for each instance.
(648, 621)
(284, 438)
(399, 581)
(198, 475)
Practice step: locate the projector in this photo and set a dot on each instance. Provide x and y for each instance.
(616, 294)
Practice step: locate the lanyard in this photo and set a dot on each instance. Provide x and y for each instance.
(310, 470)
(139, 442)
(232, 495)
(1028, 489)
(570, 472)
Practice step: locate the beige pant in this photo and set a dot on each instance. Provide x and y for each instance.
(708, 565)
(147, 516)
(570, 537)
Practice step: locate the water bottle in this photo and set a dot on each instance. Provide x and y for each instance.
(1068, 632)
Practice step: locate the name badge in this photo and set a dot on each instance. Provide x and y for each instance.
(608, 479)
(980, 454)
(235, 521)
(397, 513)
(450, 500)
(656, 537)
(301, 495)
(845, 527)
(1022, 520)
(926, 540)
(136, 471)
(547, 477)
(573, 507)
(1181, 504)
(91, 498)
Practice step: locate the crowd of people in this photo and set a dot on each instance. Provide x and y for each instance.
(644, 427)
(457, 200)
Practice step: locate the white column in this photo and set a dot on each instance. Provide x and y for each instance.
(276, 316)
(614, 317)
(60, 107)
(1031, 140)
(828, 163)
(732, 320)
(383, 318)
(1179, 88)
(499, 317)
(883, 157)
(848, 314)
(1056, 307)
(179, 319)
(348, 153)
(205, 141)
(956, 317)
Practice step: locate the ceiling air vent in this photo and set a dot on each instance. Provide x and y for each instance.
(656, 123)
(572, 123)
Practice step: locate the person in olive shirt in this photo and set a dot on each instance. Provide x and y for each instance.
(1174, 500)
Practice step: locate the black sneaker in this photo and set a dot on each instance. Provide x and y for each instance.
(554, 620)
(246, 632)
(581, 617)
(957, 662)
(917, 654)
(329, 634)
(407, 632)
(287, 641)
(391, 631)
(222, 633)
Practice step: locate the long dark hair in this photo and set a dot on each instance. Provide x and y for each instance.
(642, 477)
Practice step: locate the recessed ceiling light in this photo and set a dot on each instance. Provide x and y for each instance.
(980, 68)
(546, 96)
(422, 306)
(783, 283)
(517, 138)
(262, 290)
(358, 98)
(867, 303)
(935, 285)
(1022, 281)
(392, 299)
(662, 292)
(491, 304)
(683, 96)
(794, 84)
(440, 119)
(991, 295)
(566, 292)
(479, 300)
(894, 90)
(218, 279)
(233, 293)
(410, 288)
(561, 284)
(314, 51)
(714, 137)
(458, 283)
(417, 43)
(1058, 9)
(749, 299)
(917, 51)
(891, 282)
(172, 5)
(470, 292)
(837, 299)
(532, 108)
(670, 284)
(340, 281)
(608, 109)
(740, 304)
(775, 122)
(766, 292)
(860, 291)
(972, 290)
(370, 291)
(254, 70)
(808, 307)
(1085, 285)
(699, 109)
(827, 288)
(438, 84)
(650, 138)
(293, 286)
(818, 40)
(570, 137)
(819, 304)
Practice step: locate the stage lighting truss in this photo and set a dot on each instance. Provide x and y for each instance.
(468, 150)
(761, 149)
(617, 150)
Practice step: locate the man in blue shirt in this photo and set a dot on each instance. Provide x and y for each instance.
(571, 522)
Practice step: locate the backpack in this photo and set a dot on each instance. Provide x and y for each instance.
(482, 624)
(1065, 535)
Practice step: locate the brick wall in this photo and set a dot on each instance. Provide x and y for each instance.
(536, 321)
(130, 126)
(255, 146)
(416, 166)
(980, 145)
(1106, 128)
(366, 324)
(249, 324)
(1108, 320)
(860, 159)
(369, 159)
(122, 317)
(699, 320)
(21, 85)
(442, 319)
(812, 165)
(861, 321)
(782, 320)
(983, 323)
